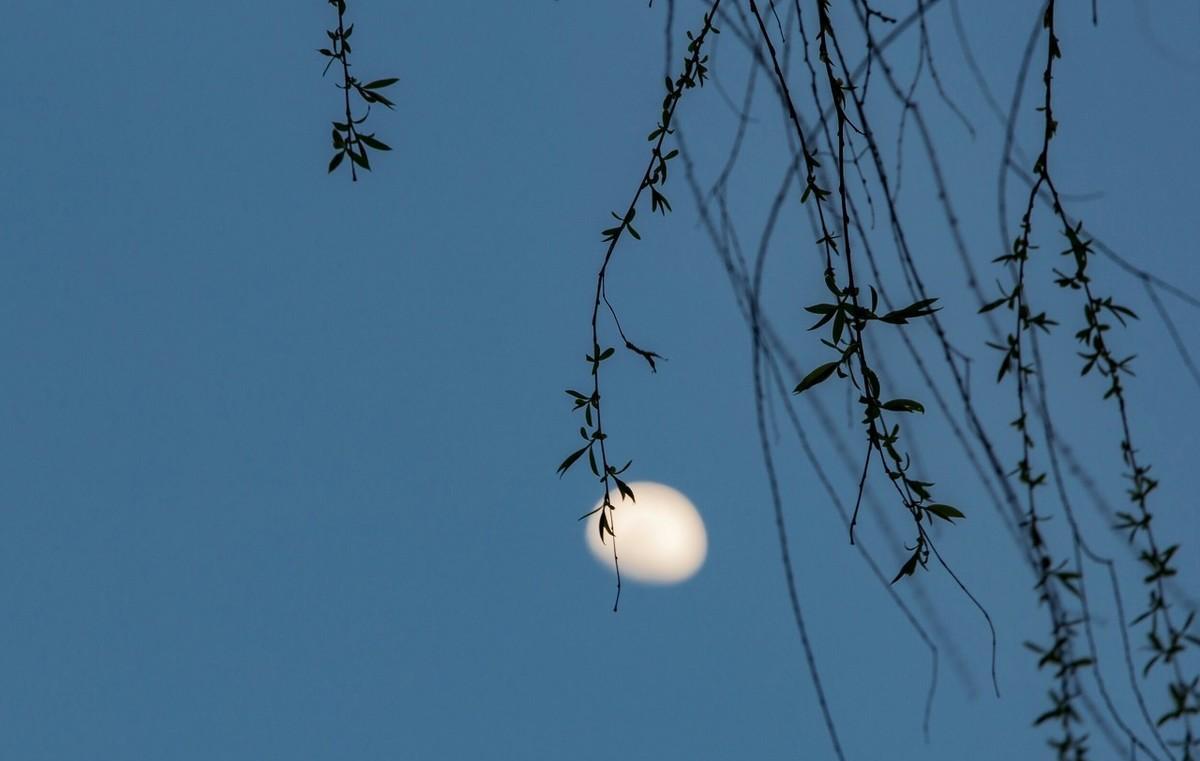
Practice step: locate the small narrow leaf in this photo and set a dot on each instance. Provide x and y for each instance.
(381, 83)
(624, 489)
(903, 405)
(376, 144)
(945, 512)
(907, 569)
(571, 458)
(818, 375)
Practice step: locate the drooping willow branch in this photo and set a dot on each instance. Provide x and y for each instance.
(776, 361)
(1057, 656)
(1040, 409)
(1053, 585)
(1060, 652)
(776, 351)
(694, 73)
(1081, 548)
(807, 163)
(1078, 541)
(1055, 446)
(863, 128)
(1167, 639)
(347, 137)
(848, 318)
(964, 390)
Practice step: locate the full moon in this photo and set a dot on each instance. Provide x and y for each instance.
(660, 535)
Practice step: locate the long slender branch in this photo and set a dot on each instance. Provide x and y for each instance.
(694, 74)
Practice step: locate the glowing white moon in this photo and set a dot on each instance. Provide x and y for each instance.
(660, 535)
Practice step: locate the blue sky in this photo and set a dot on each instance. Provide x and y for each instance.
(278, 451)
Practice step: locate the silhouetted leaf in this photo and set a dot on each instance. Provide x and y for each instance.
(624, 489)
(381, 83)
(374, 143)
(818, 375)
(903, 405)
(907, 569)
(945, 512)
(571, 458)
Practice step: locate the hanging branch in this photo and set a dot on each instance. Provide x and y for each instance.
(848, 318)
(1058, 653)
(694, 73)
(773, 353)
(1167, 638)
(347, 138)
(1062, 622)
(1049, 584)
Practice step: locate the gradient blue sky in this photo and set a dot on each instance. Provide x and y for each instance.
(277, 462)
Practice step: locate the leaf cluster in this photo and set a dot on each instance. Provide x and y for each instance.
(592, 433)
(347, 138)
(847, 319)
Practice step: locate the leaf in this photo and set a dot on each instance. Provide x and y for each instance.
(381, 83)
(872, 382)
(903, 405)
(907, 569)
(921, 308)
(826, 317)
(992, 305)
(571, 458)
(919, 487)
(818, 375)
(336, 160)
(945, 512)
(658, 202)
(380, 99)
(624, 489)
(376, 144)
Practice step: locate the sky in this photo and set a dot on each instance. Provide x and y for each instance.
(278, 454)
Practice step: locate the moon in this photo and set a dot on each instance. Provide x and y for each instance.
(660, 535)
